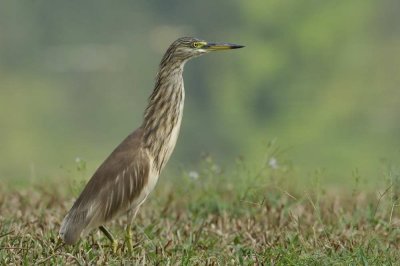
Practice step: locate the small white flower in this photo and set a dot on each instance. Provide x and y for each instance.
(78, 160)
(193, 175)
(273, 163)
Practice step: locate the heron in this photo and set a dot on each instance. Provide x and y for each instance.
(124, 180)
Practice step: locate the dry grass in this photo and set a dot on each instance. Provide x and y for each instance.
(213, 221)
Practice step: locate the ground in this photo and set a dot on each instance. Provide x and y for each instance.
(211, 217)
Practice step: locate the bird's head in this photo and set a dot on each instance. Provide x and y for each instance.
(186, 48)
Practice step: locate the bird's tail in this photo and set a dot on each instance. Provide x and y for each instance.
(73, 225)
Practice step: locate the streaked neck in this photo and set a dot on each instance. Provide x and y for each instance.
(163, 114)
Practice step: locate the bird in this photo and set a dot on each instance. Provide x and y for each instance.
(124, 180)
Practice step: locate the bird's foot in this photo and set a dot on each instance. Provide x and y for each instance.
(114, 243)
(114, 246)
(59, 243)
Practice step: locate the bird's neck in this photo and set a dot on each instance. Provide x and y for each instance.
(163, 114)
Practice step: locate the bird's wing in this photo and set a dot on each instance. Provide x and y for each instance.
(112, 188)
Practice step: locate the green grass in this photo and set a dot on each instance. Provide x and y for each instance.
(212, 217)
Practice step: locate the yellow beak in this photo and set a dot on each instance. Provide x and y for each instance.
(221, 46)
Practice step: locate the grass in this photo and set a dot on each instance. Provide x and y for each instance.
(212, 217)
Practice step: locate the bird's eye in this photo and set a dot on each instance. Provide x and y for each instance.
(196, 45)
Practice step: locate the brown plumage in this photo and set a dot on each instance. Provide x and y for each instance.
(125, 179)
(113, 188)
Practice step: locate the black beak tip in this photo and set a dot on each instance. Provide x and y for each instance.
(237, 46)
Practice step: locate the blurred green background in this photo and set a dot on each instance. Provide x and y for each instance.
(320, 78)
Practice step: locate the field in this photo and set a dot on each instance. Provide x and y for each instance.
(215, 217)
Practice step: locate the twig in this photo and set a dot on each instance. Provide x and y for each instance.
(380, 198)
(287, 193)
(18, 248)
(251, 202)
(45, 259)
(3, 235)
(391, 212)
(311, 201)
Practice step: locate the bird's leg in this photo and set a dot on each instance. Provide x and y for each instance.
(108, 234)
(128, 237)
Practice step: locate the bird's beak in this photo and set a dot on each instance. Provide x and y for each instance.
(221, 46)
